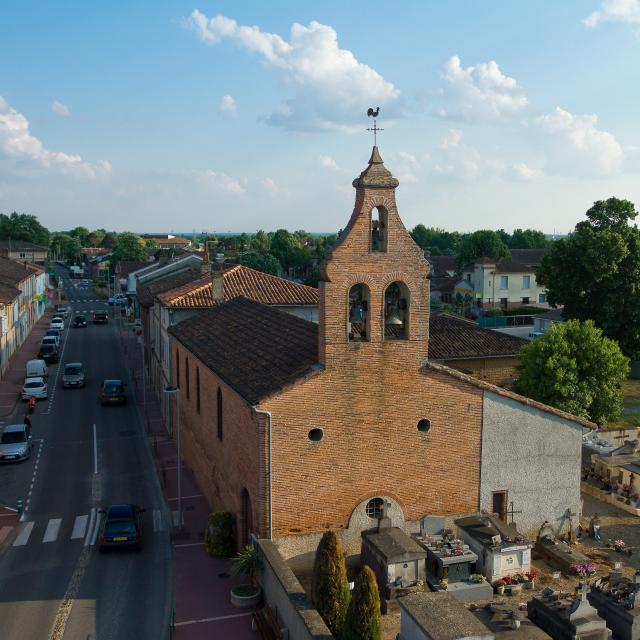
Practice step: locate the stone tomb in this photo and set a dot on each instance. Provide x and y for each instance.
(396, 559)
(617, 600)
(558, 553)
(564, 617)
(501, 550)
(451, 560)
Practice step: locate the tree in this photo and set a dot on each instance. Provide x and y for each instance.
(574, 367)
(96, 237)
(483, 243)
(437, 241)
(64, 246)
(128, 247)
(260, 242)
(329, 587)
(363, 616)
(108, 241)
(595, 272)
(82, 233)
(264, 262)
(285, 247)
(23, 226)
(527, 239)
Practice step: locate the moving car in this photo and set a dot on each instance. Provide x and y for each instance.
(100, 317)
(118, 298)
(73, 375)
(112, 392)
(49, 353)
(57, 323)
(37, 369)
(34, 388)
(15, 443)
(121, 527)
(80, 322)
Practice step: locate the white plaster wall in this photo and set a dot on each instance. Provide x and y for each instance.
(533, 455)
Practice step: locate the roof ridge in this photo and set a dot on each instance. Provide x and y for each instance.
(487, 386)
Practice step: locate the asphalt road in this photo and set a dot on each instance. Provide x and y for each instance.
(53, 582)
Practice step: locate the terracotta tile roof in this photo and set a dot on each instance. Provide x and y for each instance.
(147, 292)
(8, 293)
(454, 337)
(255, 349)
(241, 281)
(13, 272)
(481, 384)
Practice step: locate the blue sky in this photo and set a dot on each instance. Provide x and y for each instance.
(227, 116)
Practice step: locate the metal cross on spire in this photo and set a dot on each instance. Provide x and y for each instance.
(374, 114)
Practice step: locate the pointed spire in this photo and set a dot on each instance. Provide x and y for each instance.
(376, 174)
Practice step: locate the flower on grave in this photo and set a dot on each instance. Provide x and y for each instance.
(443, 584)
(457, 551)
(498, 583)
(506, 580)
(478, 578)
(584, 569)
(619, 544)
(626, 487)
(531, 575)
(517, 578)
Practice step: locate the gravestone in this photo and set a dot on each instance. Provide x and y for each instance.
(617, 600)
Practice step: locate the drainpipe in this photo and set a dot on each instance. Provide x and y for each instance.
(264, 412)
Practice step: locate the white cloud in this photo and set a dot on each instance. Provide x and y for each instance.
(578, 146)
(18, 144)
(270, 186)
(615, 11)
(60, 109)
(328, 163)
(408, 158)
(522, 171)
(218, 181)
(480, 92)
(331, 87)
(228, 105)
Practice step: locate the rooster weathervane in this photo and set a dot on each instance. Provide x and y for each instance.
(374, 114)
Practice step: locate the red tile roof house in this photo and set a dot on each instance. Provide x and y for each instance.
(297, 427)
(171, 300)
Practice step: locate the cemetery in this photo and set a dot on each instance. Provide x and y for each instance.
(616, 600)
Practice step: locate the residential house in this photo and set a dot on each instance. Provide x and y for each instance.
(24, 251)
(161, 269)
(169, 241)
(298, 428)
(544, 321)
(19, 311)
(505, 283)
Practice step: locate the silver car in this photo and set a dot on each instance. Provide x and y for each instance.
(15, 443)
(73, 375)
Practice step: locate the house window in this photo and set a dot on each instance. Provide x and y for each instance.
(396, 312)
(379, 229)
(219, 407)
(198, 389)
(468, 277)
(358, 323)
(186, 375)
(526, 282)
(504, 282)
(542, 297)
(525, 300)
(177, 368)
(374, 507)
(504, 302)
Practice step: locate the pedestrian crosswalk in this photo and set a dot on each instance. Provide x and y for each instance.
(81, 527)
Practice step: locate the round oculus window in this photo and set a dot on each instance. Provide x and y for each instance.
(424, 425)
(315, 435)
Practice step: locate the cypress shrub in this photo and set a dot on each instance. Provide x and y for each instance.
(329, 586)
(363, 616)
(219, 536)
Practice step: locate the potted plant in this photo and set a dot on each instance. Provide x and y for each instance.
(246, 563)
(477, 578)
(443, 584)
(498, 585)
(530, 581)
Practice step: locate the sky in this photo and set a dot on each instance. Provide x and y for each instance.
(236, 116)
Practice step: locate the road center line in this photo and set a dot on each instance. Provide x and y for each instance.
(95, 451)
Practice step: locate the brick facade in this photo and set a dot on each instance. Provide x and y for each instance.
(500, 371)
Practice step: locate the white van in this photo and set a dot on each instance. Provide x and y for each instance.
(37, 369)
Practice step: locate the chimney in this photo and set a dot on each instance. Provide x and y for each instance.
(217, 278)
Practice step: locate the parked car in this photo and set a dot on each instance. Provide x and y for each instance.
(80, 322)
(53, 332)
(62, 310)
(15, 443)
(100, 317)
(37, 369)
(57, 323)
(121, 527)
(34, 388)
(73, 375)
(118, 298)
(112, 392)
(49, 353)
(51, 340)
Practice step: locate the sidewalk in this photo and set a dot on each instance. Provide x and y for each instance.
(201, 583)
(13, 379)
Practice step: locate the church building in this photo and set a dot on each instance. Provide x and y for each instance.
(298, 427)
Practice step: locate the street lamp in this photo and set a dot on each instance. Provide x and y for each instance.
(174, 391)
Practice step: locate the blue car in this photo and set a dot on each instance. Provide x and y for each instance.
(121, 527)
